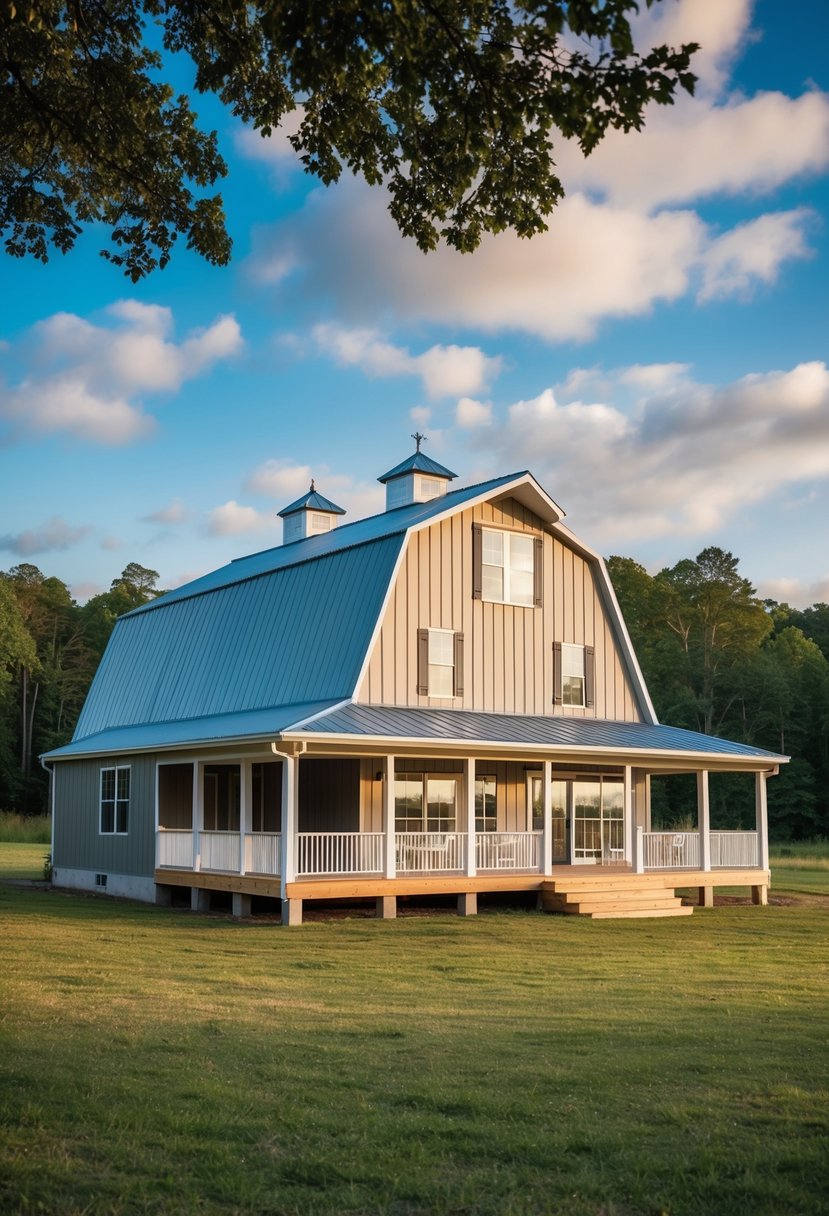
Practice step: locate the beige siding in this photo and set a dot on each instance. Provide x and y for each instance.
(507, 649)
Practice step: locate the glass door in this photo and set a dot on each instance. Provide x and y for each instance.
(559, 795)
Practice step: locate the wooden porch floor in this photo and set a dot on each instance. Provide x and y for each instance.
(594, 891)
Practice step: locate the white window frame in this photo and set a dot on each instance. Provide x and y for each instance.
(116, 769)
(423, 779)
(507, 541)
(578, 671)
(444, 633)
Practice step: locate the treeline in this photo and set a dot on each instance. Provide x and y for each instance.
(50, 648)
(715, 657)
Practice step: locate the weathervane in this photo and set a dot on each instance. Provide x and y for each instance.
(418, 438)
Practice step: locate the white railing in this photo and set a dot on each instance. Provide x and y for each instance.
(174, 848)
(262, 851)
(734, 849)
(220, 851)
(507, 850)
(419, 851)
(339, 852)
(671, 850)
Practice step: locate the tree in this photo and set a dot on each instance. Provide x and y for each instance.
(451, 104)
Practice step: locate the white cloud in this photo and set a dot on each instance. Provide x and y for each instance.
(470, 413)
(234, 519)
(84, 378)
(753, 252)
(174, 513)
(445, 371)
(721, 27)
(683, 461)
(283, 481)
(795, 592)
(275, 149)
(50, 537)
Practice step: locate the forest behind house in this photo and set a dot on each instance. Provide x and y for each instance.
(715, 657)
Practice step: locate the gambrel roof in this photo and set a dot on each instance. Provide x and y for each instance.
(276, 642)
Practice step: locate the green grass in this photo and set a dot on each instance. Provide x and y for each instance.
(154, 1061)
(21, 861)
(31, 829)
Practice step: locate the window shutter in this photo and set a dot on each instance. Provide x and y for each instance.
(458, 664)
(538, 571)
(423, 661)
(589, 675)
(556, 673)
(477, 562)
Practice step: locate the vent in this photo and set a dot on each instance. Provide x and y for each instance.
(100, 880)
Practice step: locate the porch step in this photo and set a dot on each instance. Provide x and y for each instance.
(594, 899)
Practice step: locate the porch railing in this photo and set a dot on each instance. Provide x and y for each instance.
(262, 852)
(339, 852)
(220, 850)
(507, 850)
(734, 850)
(174, 848)
(419, 851)
(671, 850)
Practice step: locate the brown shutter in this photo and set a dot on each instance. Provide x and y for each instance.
(589, 675)
(423, 661)
(538, 570)
(458, 664)
(477, 562)
(556, 673)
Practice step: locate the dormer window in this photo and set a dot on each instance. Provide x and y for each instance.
(506, 567)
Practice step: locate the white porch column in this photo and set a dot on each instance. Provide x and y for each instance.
(198, 812)
(390, 859)
(762, 820)
(471, 835)
(628, 812)
(703, 820)
(245, 813)
(290, 816)
(547, 829)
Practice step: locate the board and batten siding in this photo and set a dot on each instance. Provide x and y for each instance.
(508, 664)
(79, 844)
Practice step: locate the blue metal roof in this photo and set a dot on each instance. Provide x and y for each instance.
(297, 634)
(312, 501)
(252, 724)
(384, 722)
(346, 536)
(420, 463)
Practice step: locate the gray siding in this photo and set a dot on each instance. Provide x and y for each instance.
(78, 842)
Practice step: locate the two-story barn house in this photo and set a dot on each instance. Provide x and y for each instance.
(442, 698)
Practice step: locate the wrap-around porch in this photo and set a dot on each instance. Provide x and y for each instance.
(309, 827)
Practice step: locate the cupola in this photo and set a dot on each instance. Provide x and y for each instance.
(418, 479)
(310, 515)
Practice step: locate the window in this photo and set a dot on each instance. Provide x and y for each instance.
(424, 802)
(573, 674)
(320, 523)
(439, 663)
(429, 488)
(506, 567)
(115, 801)
(486, 816)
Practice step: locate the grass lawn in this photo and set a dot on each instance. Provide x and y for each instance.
(20, 861)
(155, 1061)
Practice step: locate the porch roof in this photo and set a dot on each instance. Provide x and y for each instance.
(391, 723)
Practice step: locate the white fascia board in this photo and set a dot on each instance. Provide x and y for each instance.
(749, 763)
(543, 504)
(609, 594)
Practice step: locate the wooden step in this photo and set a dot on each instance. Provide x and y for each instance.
(679, 910)
(608, 898)
(580, 906)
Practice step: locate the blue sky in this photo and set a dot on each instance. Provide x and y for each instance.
(658, 359)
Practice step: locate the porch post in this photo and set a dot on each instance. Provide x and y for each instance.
(198, 811)
(291, 908)
(471, 836)
(390, 858)
(628, 812)
(706, 893)
(547, 832)
(760, 894)
(245, 813)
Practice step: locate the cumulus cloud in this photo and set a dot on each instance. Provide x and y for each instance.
(234, 519)
(86, 379)
(174, 513)
(753, 252)
(445, 371)
(794, 591)
(50, 537)
(470, 413)
(679, 460)
(283, 481)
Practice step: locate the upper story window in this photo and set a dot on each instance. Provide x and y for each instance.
(506, 566)
(115, 801)
(439, 663)
(573, 674)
